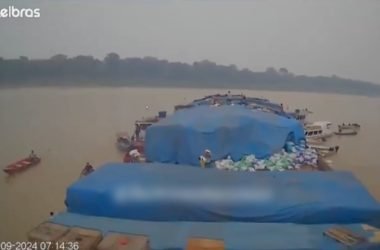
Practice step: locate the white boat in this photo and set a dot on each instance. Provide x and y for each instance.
(325, 151)
(324, 148)
(316, 141)
(123, 141)
(352, 126)
(320, 129)
(346, 132)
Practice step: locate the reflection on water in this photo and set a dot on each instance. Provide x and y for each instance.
(68, 127)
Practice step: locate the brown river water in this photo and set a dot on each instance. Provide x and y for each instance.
(69, 126)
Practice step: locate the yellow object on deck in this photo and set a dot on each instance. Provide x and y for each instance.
(204, 244)
(375, 238)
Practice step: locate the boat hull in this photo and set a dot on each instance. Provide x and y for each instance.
(21, 165)
(346, 133)
(348, 127)
(122, 146)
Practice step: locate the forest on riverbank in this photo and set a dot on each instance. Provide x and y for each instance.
(60, 70)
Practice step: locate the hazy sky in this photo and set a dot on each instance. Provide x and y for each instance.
(313, 37)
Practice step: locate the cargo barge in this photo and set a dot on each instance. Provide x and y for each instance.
(170, 202)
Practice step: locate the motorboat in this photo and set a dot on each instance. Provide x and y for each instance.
(123, 141)
(316, 141)
(346, 132)
(325, 151)
(353, 126)
(324, 148)
(320, 129)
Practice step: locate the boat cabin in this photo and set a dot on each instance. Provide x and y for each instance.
(143, 125)
(318, 130)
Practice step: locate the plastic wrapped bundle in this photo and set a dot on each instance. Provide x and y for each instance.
(226, 164)
(291, 157)
(260, 165)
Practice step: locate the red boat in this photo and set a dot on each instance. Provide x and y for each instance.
(21, 165)
(136, 142)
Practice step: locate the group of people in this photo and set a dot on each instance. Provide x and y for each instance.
(205, 160)
(351, 124)
(343, 125)
(215, 101)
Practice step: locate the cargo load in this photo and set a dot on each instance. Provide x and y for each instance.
(168, 192)
(117, 241)
(47, 232)
(234, 235)
(83, 238)
(233, 131)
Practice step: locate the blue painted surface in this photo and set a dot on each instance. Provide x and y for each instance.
(130, 191)
(237, 236)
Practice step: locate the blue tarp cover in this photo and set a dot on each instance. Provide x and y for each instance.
(236, 236)
(164, 192)
(227, 130)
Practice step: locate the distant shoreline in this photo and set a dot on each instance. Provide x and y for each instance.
(142, 86)
(151, 72)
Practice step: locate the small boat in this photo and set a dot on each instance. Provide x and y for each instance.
(345, 132)
(354, 126)
(324, 148)
(316, 141)
(123, 141)
(88, 169)
(318, 130)
(325, 154)
(21, 165)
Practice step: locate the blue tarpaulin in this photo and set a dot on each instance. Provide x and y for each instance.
(227, 130)
(165, 192)
(239, 99)
(236, 236)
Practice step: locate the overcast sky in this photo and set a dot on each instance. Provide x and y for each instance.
(313, 37)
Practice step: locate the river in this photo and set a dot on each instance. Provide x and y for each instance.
(69, 126)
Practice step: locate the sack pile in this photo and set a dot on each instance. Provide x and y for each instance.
(292, 157)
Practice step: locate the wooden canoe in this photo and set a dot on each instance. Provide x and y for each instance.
(21, 165)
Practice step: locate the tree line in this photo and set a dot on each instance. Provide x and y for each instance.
(60, 70)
